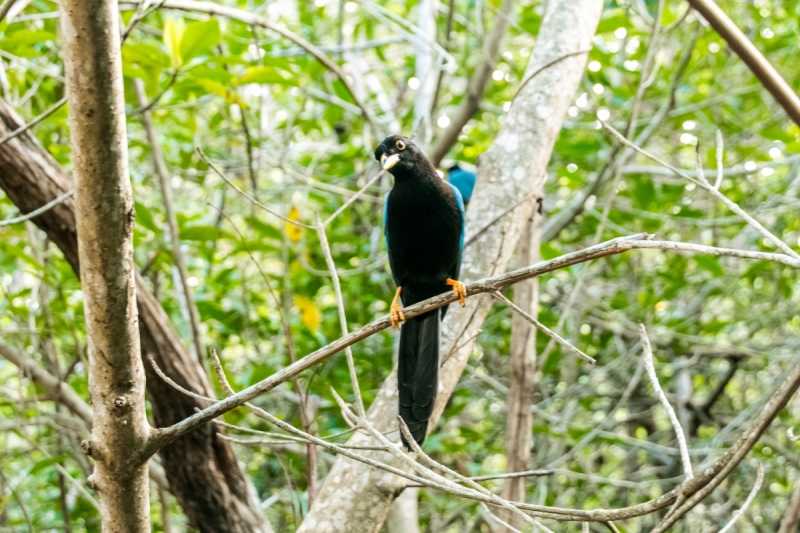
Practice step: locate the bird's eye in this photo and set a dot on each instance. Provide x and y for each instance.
(400, 145)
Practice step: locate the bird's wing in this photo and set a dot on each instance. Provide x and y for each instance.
(386, 235)
(460, 203)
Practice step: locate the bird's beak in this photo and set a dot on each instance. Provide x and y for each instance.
(388, 162)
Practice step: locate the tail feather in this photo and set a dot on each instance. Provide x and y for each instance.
(418, 373)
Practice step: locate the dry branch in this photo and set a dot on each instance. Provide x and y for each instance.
(753, 58)
(673, 418)
(162, 437)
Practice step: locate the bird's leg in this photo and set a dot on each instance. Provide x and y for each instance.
(460, 289)
(396, 310)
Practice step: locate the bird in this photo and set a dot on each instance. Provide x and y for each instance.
(424, 231)
(463, 180)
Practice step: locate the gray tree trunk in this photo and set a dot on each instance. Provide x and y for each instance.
(519, 419)
(355, 497)
(104, 215)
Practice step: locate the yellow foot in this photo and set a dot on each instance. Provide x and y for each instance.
(396, 310)
(460, 289)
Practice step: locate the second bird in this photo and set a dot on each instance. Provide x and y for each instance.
(424, 230)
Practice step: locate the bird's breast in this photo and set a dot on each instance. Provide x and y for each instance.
(424, 227)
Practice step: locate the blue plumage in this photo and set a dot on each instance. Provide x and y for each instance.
(424, 230)
(464, 180)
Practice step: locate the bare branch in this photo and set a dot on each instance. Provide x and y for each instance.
(750, 497)
(22, 129)
(160, 166)
(164, 436)
(752, 57)
(433, 464)
(549, 332)
(676, 425)
(354, 196)
(476, 87)
(337, 289)
(227, 180)
(499, 521)
(105, 215)
(720, 154)
(36, 212)
(5, 7)
(701, 182)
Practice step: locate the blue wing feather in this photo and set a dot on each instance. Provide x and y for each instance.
(460, 202)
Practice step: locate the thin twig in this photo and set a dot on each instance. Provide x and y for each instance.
(174, 385)
(22, 129)
(337, 288)
(510, 475)
(240, 191)
(497, 519)
(676, 425)
(750, 497)
(36, 212)
(702, 183)
(752, 57)
(353, 198)
(720, 166)
(549, 332)
(5, 7)
(548, 65)
(616, 246)
(433, 464)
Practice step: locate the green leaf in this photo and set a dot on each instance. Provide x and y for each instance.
(215, 87)
(612, 20)
(44, 463)
(645, 192)
(145, 218)
(145, 54)
(793, 147)
(173, 34)
(711, 264)
(198, 38)
(265, 75)
(777, 134)
(202, 233)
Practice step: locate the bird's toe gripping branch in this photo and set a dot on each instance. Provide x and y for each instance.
(396, 310)
(460, 289)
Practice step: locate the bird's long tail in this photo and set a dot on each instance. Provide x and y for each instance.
(418, 372)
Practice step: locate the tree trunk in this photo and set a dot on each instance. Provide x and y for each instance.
(31, 178)
(519, 437)
(356, 497)
(104, 214)
(791, 518)
(404, 513)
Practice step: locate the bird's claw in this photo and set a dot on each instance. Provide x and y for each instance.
(459, 289)
(396, 315)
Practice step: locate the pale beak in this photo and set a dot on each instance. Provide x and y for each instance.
(388, 162)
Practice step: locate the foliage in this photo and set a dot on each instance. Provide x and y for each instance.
(286, 131)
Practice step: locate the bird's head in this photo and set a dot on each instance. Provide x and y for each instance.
(399, 155)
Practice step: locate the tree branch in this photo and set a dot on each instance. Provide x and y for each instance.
(164, 436)
(752, 57)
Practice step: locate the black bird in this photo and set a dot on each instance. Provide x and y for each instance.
(424, 230)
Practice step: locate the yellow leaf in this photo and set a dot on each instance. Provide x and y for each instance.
(173, 34)
(295, 233)
(309, 313)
